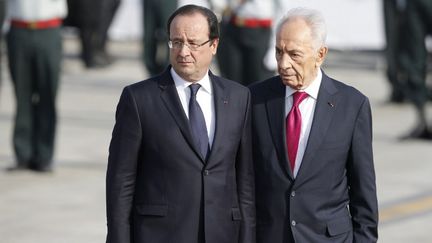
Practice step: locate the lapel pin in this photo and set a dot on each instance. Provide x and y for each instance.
(225, 102)
(330, 104)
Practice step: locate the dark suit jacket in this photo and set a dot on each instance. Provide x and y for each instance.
(159, 189)
(333, 198)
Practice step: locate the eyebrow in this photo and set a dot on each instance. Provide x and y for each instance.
(188, 40)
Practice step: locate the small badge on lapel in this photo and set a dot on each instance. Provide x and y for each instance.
(225, 102)
(330, 104)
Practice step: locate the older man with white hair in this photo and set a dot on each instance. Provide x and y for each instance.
(312, 145)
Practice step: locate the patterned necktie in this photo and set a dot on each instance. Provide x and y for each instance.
(197, 122)
(293, 127)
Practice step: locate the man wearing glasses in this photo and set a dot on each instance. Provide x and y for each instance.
(180, 167)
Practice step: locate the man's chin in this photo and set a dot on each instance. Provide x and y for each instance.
(292, 83)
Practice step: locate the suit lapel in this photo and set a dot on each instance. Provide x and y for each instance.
(276, 119)
(220, 97)
(172, 102)
(323, 115)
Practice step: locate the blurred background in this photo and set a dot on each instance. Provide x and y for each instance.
(68, 204)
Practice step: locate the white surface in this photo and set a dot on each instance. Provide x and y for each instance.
(352, 24)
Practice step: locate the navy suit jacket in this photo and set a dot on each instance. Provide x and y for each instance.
(159, 188)
(333, 197)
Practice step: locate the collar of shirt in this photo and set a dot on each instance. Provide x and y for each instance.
(182, 84)
(311, 90)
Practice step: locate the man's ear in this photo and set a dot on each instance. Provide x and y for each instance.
(215, 44)
(321, 55)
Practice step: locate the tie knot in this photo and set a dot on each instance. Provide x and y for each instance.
(298, 97)
(194, 89)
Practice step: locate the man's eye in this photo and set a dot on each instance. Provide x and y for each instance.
(295, 55)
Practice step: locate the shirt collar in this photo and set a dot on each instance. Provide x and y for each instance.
(181, 83)
(311, 90)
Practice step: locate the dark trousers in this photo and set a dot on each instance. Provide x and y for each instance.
(414, 53)
(2, 17)
(394, 20)
(241, 53)
(34, 63)
(93, 19)
(155, 41)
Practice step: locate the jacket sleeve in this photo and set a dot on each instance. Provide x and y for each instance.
(361, 175)
(245, 181)
(121, 172)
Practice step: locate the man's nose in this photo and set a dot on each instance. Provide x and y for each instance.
(184, 50)
(285, 61)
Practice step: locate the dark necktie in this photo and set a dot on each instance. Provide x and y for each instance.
(293, 127)
(197, 122)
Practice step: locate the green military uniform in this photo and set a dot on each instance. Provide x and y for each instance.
(413, 60)
(394, 17)
(155, 16)
(35, 51)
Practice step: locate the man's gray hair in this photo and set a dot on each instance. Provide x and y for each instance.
(313, 18)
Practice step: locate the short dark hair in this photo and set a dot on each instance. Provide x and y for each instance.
(190, 9)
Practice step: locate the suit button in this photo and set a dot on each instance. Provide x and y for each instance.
(293, 223)
(293, 194)
(206, 172)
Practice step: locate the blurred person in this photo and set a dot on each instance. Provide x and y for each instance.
(246, 29)
(155, 49)
(93, 19)
(180, 166)
(413, 63)
(109, 10)
(394, 18)
(312, 145)
(34, 47)
(2, 17)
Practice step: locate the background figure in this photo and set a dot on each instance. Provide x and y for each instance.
(93, 19)
(180, 166)
(312, 145)
(394, 18)
(246, 29)
(413, 62)
(2, 17)
(155, 49)
(35, 51)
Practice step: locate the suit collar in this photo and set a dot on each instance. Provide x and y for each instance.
(326, 106)
(275, 107)
(323, 114)
(172, 102)
(221, 101)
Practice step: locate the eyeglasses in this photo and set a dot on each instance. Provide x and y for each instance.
(179, 45)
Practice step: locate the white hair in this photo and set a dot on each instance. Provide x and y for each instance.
(313, 18)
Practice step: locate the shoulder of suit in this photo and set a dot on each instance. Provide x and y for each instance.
(230, 84)
(347, 89)
(266, 85)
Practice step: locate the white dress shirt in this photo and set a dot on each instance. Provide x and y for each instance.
(36, 10)
(307, 108)
(204, 98)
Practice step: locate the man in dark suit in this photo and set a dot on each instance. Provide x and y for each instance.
(167, 180)
(315, 179)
